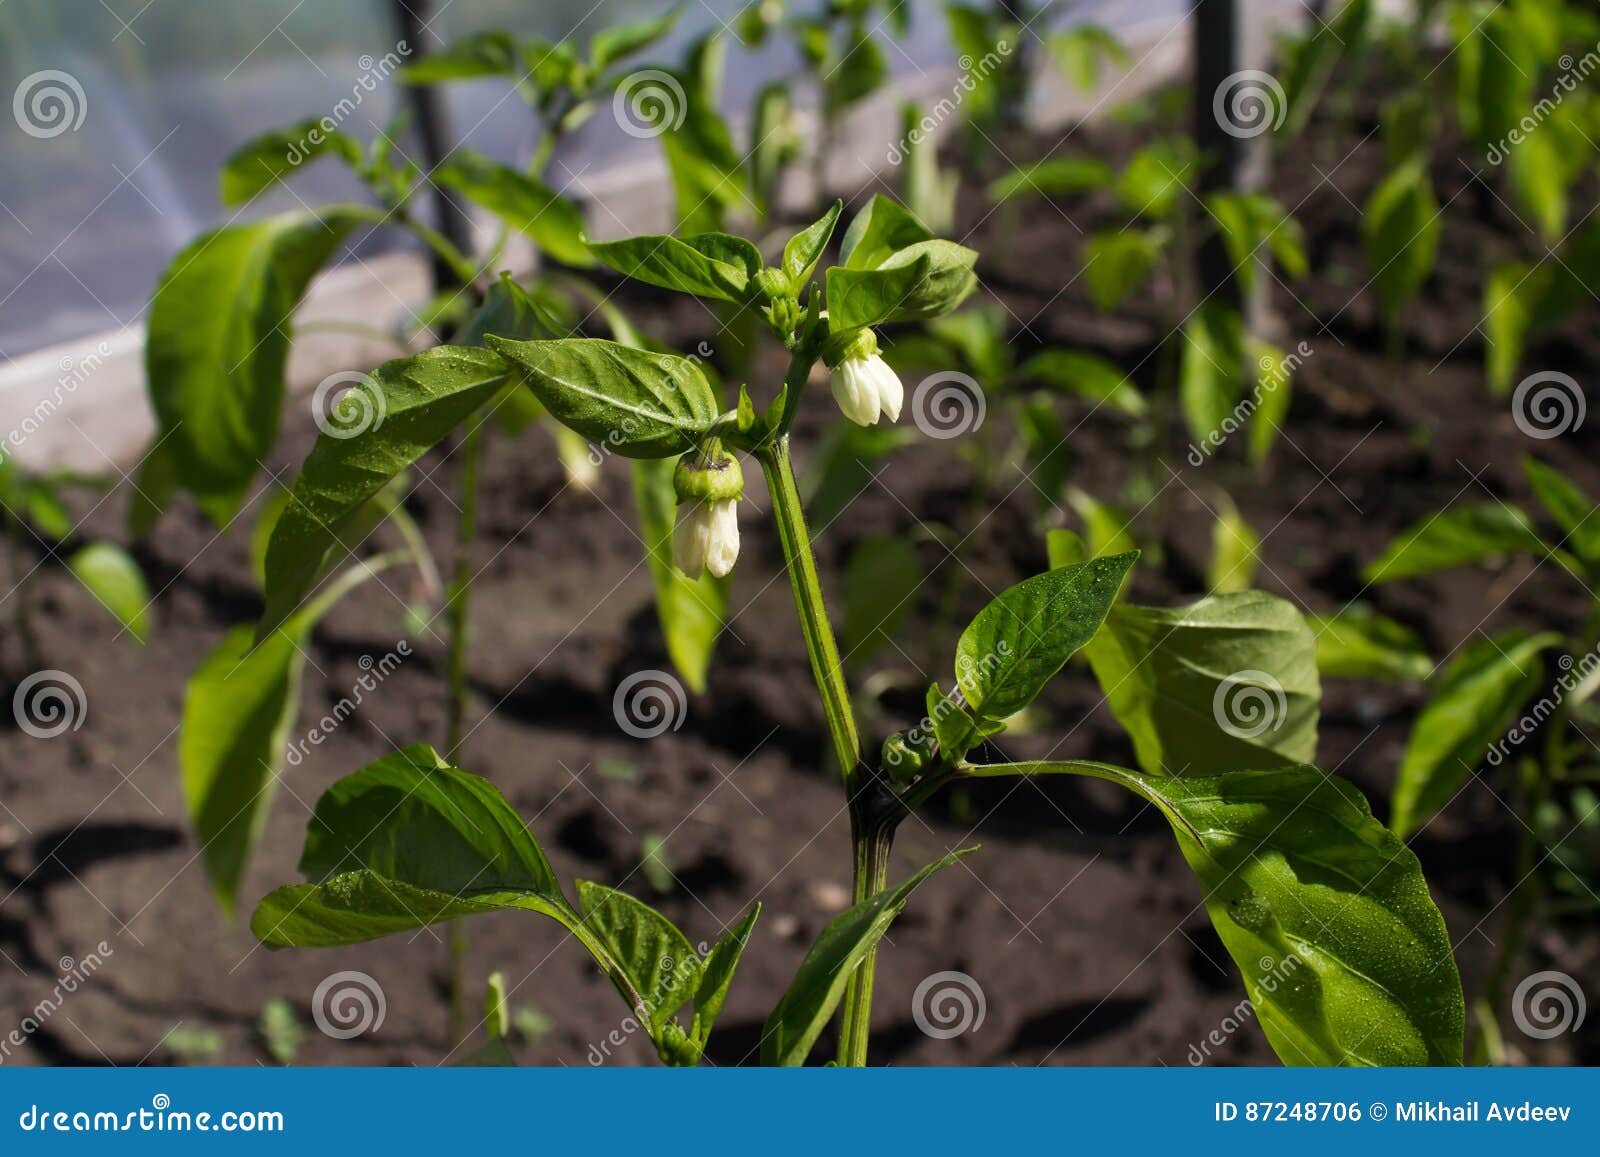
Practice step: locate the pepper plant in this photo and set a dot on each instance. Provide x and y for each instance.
(1291, 862)
(1498, 704)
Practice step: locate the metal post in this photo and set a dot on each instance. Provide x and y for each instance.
(433, 133)
(1229, 40)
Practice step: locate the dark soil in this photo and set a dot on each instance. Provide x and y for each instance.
(1078, 918)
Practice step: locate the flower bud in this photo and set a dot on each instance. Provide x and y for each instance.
(675, 1047)
(707, 536)
(905, 756)
(863, 383)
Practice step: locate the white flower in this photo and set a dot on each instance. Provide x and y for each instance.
(863, 384)
(707, 537)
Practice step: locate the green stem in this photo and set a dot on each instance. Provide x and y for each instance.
(870, 837)
(456, 707)
(459, 263)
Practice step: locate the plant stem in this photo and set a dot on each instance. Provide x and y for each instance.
(456, 610)
(870, 837)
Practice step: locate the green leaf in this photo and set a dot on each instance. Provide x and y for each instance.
(409, 841)
(1229, 682)
(881, 578)
(527, 205)
(1155, 177)
(1359, 644)
(1116, 263)
(1571, 509)
(217, 340)
(491, 53)
(1082, 50)
(111, 575)
(1108, 530)
(273, 156)
(620, 41)
(715, 265)
(1273, 393)
(1250, 222)
(658, 961)
(878, 232)
(929, 190)
(1235, 551)
(1460, 536)
(153, 490)
(1400, 225)
(1056, 177)
(916, 283)
(1538, 171)
(634, 402)
(238, 709)
(1211, 384)
(1021, 639)
(1473, 704)
(424, 398)
(818, 986)
(1087, 375)
(802, 251)
(1306, 63)
(1343, 953)
(860, 71)
(691, 611)
(717, 972)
